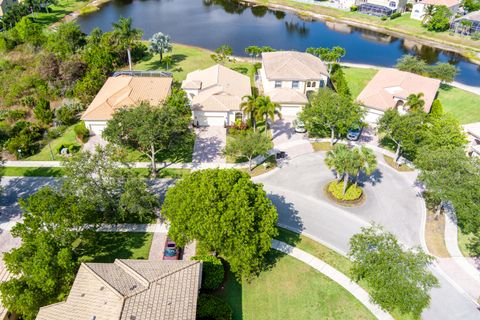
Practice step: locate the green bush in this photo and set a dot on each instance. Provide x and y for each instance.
(213, 271)
(213, 308)
(81, 131)
(383, 18)
(56, 132)
(68, 114)
(71, 147)
(336, 189)
(475, 36)
(395, 15)
(42, 111)
(354, 8)
(15, 115)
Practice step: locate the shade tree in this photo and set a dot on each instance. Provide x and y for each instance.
(160, 43)
(248, 144)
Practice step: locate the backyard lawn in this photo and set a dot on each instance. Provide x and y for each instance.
(120, 245)
(291, 289)
(58, 11)
(31, 172)
(186, 59)
(45, 154)
(463, 105)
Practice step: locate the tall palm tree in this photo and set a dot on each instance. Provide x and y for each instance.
(124, 33)
(429, 11)
(365, 161)
(343, 160)
(250, 107)
(266, 109)
(415, 101)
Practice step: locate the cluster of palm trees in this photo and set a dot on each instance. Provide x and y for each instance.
(350, 163)
(260, 108)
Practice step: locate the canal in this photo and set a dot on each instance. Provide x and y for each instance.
(211, 23)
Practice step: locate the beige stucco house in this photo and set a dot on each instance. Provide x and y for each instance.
(389, 89)
(124, 91)
(131, 290)
(419, 8)
(288, 76)
(216, 94)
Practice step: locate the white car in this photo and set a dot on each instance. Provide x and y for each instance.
(299, 126)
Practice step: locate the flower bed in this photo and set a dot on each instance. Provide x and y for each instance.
(354, 195)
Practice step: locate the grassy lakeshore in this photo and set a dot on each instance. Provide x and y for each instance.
(402, 26)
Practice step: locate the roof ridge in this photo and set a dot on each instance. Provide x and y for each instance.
(132, 272)
(115, 291)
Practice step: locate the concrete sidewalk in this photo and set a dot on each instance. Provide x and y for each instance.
(335, 275)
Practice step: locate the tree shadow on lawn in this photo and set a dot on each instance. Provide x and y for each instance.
(231, 292)
(157, 64)
(108, 246)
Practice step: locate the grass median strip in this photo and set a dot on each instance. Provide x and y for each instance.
(59, 172)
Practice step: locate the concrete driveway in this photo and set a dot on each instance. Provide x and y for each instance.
(93, 142)
(286, 139)
(296, 190)
(209, 144)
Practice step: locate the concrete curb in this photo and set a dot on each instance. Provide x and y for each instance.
(335, 275)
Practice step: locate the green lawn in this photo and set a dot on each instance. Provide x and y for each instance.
(290, 289)
(463, 241)
(119, 245)
(46, 155)
(31, 171)
(358, 78)
(58, 11)
(186, 59)
(465, 106)
(336, 260)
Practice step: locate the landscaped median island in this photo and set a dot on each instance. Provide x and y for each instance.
(352, 196)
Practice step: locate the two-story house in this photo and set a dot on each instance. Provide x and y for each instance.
(288, 76)
(381, 8)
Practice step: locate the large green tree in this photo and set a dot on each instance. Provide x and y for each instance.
(227, 213)
(330, 111)
(249, 145)
(440, 20)
(405, 131)
(398, 279)
(151, 129)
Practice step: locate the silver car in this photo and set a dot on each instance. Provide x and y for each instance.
(299, 126)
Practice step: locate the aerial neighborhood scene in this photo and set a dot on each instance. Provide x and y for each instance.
(239, 159)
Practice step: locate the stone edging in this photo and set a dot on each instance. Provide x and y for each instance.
(358, 292)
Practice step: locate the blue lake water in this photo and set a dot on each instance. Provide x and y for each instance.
(211, 23)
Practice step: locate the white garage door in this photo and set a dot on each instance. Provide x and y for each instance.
(290, 111)
(211, 121)
(96, 129)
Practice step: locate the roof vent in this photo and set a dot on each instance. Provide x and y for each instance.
(133, 287)
(133, 317)
(101, 288)
(82, 295)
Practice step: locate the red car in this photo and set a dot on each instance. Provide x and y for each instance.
(171, 252)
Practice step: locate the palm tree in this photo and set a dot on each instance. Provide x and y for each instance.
(167, 60)
(365, 161)
(343, 160)
(250, 107)
(429, 12)
(266, 109)
(415, 101)
(124, 33)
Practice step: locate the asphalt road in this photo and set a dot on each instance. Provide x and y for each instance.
(297, 191)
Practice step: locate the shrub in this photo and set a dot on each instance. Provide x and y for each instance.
(336, 189)
(383, 18)
(212, 308)
(395, 15)
(475, 36)
(71, 147)
(354, 8)
(25, 139)
(68, 114)
(54, 133)
(15, 115)
(81, 131)
(213, 271)
(42, 111)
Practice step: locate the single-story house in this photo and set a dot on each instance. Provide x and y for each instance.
(216, 95)
(473, 18)
(5, 276)
(473, 135)
(419, 8)
(381, 8)
(124, 91)
(131, 290)
(288, 76)
(389, 88)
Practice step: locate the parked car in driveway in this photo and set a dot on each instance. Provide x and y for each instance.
(171, 251)
(299, 126)
(353, 134)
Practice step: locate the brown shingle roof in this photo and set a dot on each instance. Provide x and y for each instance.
(220, 88)
(122, 91)
(131, 289)
(292, 65)
(388, 84)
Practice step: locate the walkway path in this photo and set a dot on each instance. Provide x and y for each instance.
(472, 89)
(457, 266)
(333, 274)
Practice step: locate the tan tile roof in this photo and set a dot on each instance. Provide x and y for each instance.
(131, 289)
(287, 95)
(220, 88)
(389, 83)
(448, 3)
(122, 91)
(292, 65)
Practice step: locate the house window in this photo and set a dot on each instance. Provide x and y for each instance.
(295, 84)
(309, 84)
(238, 116)
(278, 84)
(314, 84)
(392, 4)
(322, 83)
